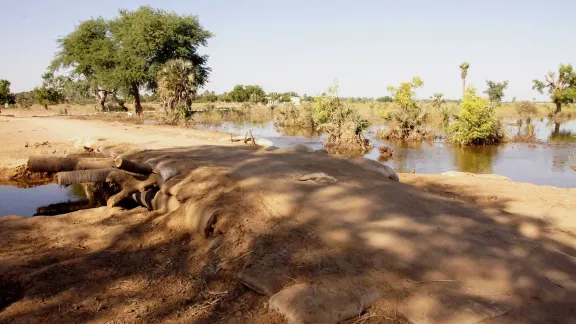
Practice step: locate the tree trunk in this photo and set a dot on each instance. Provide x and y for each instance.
(45, 106)
(102, 94)
(558, 107)
(463, 87)
(136, 94)
(84, 176)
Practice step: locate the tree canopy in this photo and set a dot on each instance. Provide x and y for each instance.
(128, 51)
(6, 97)
(561, 87)
(495, 91)
(249, 93)
(177, 82)
(49, 93)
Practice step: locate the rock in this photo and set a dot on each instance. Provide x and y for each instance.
(449, 306)
(264, 281)
(264, 142)
(319, 177)
(375, 166)
(300, 148)
(329, 302)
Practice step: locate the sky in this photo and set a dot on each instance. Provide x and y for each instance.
(304, 46)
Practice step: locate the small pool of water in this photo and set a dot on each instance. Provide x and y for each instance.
(542, 164)
(29, 201)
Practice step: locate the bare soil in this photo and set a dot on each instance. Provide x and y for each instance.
(431, 242)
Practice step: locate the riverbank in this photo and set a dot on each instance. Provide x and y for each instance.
(430, 247)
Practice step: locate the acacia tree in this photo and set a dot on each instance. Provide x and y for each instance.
(495, 91)
(126, 53)
(463, 74)
(177, 82)
(88, 54)
(561, 87)
(6, 97)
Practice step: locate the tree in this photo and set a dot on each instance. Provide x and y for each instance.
(6, 97)
(50, 92)
(148, 38)
(476, 123)
(89, 54)
(177, 82)
(463, 74)
(495, 91)
(561, 87)
(249, 93)
(126, 53)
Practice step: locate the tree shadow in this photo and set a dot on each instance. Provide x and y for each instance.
(403, 240)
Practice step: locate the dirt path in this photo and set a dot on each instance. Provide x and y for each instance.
(437, 249)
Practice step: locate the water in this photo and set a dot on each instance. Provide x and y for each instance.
(543, 164)
(26, 201)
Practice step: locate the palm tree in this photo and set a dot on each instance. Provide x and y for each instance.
(464, 68)
(178, 81)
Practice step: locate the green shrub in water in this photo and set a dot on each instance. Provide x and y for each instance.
(476, 124)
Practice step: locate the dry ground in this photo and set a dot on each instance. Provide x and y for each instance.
(430, 244)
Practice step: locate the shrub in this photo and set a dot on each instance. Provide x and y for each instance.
(525, 109)
(385, 153)
(476, 123)
(406, 120)
(294, 117)
(342, 124)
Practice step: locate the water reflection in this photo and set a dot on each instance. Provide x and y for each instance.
(523, 162)
(478, 159)
(561, 135)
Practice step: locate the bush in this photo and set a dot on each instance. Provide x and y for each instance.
(342, 124)
(525, 109)
(293, 117)
(385, 153)
(406, 120)
(476, 123)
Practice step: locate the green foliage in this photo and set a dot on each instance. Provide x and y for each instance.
(476, 123)
(385, 99)
(25, 99)
(126, 53)
(249, 93)
(47, 96)
(495, 91)
(525, 109)
(50, 92)
(296, 117)
(208, 96)
(406, 120)
(561, 87)
(341, 122)
(6, 97)
(177, 82)
(438, 101)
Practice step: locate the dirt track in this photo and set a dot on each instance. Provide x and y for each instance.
(430, 244)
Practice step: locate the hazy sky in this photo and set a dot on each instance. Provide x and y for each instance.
(303, 46)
